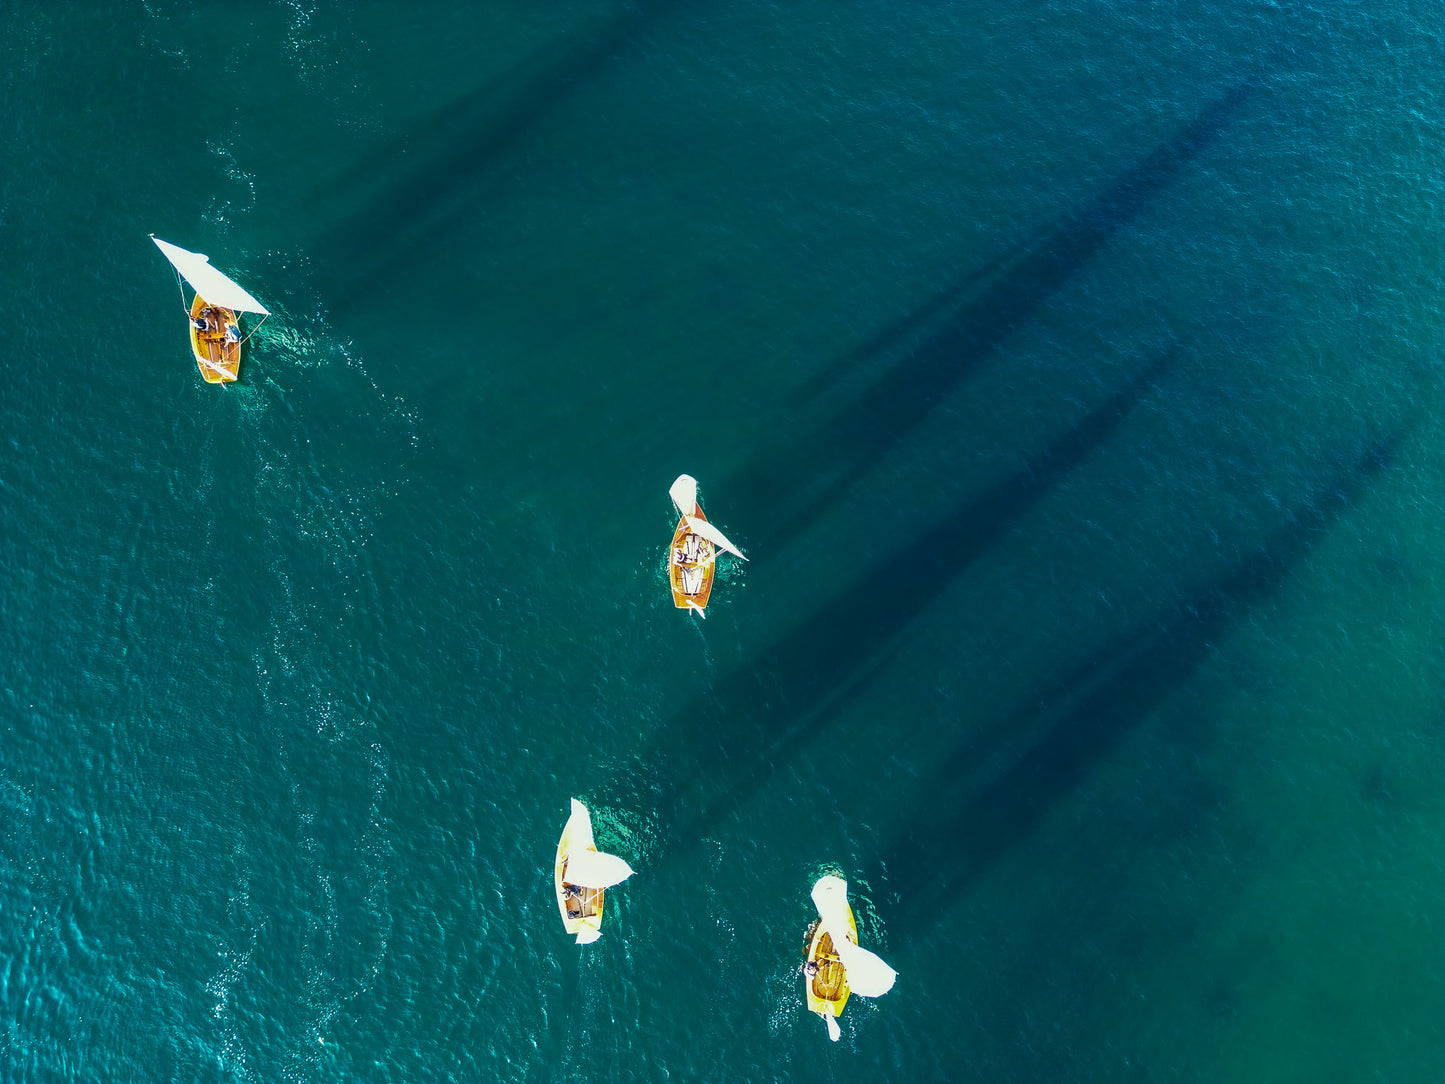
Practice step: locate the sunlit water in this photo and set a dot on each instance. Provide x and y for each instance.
(1069, 373)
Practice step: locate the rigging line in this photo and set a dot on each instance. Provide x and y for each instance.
(253, 331)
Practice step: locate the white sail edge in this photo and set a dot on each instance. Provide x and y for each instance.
(586, 935)
(834, 1031)
(211, 284)
(597, 869)
(684, 494)
(867, 973)
(712, 534)
(579, 829)
(830, 897)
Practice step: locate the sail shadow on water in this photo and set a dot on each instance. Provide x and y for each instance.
(909, 330)
(756, 730)
(1091, 709)
(457, 145)
(823, 463)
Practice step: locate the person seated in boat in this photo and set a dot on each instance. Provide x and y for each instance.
(680, 557)
(810, 969)
(202, 322)
(573, 912)
(570, 892)
(233, 334)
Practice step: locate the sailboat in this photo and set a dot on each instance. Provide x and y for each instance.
(837, 965)
(215, 331)
(693, 557)
(580, 875)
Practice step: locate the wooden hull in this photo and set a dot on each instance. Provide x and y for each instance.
(827, 990)
(218, 360)
(691, 561)
(581, 907)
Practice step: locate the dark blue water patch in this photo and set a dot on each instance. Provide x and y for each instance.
(1101, 701)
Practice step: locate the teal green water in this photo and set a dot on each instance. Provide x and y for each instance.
(1069, 373)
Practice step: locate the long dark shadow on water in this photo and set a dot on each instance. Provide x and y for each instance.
(898, 335)
(757, 728)
(965, 825)
(789, 487)
(462, 141)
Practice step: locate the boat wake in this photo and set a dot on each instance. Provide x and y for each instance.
(224, 208)
(222, 990)
(348, 911)
(310, 500)
(324, 51)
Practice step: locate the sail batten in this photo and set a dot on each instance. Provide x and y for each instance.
(206, 280)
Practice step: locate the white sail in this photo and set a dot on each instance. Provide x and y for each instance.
(867, 974)
(587, 866)
(579, 829)
(684, 494)
(830, 897)
(596, 869)
(195, 268)
(833, 1030)
(586, 935)
(712, 534)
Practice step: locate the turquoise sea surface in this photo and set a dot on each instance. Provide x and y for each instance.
(1070, 373)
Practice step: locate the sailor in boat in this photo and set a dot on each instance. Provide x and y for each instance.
(576, 901)
(214, 325)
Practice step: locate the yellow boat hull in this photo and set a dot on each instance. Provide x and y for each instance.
(827, 988)
(691, 562)
(218, 360)
(581, 907)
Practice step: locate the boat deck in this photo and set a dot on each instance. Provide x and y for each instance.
(586, 902)
(218, 360)
(691, 563)
(829, 984)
